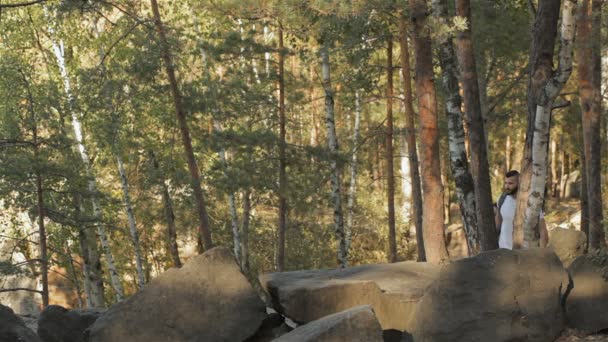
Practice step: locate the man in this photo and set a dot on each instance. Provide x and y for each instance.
(505, 213)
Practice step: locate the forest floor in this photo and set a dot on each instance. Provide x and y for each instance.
(570, 335)
(565, 213)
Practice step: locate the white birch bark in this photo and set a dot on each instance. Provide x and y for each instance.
(132, 224)
(333, 149)
(234, 220)
(58, 50)
(541, 124)
(465, 191)
(352, 191)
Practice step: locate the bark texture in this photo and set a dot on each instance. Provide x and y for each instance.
(412, 151)
(204, 226)
(459, 164)
(432, 188)
(477, 137)
(590, 72)
(390, 169)
(332, 141)
(542, 48)
(544, 104)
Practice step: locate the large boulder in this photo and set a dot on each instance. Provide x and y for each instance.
(500, 295)
(12, 328)
(208, 299)
(568, 244)
(587, 304)
(57, 324)
(393, 290)
(357, 324)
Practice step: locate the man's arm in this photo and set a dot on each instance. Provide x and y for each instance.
(497, 218)
(544, 234)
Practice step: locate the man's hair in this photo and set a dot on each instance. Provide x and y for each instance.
(512, 173)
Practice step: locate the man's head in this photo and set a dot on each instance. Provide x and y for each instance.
(511, 182)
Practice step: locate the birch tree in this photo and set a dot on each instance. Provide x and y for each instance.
(58, 49)
(332, 141)
(545, 85)
(352, 189)
(459, 164)
(141, 280)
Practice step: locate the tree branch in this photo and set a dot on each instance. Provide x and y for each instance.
(21, 4)
(561, 103)
(20, 289)
(532, 8)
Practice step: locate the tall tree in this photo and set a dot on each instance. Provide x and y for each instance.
(589, 80)
(141, 279)
(352, 189)
(390, 178)
(168, 211)
(412, 152)
(282, 159)
(432, 218)
(59, 51)
(180, 113)
(459, 164)
(543, 87)
(475, 125)
(332, 141)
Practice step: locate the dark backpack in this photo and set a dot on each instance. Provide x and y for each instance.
(501, 200)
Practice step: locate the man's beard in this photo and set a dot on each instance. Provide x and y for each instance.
(513, 192)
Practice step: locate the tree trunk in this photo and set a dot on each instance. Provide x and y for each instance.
(171, 244)
(91, 265)
(584, 201)
(332, 141)
(508, 148)
(234, 220)
(541, 68)
(245, 232)
(282, 160)
(432, 220)
(390, 178)
(141, 280)
(554, 178)
(544, 103)
(44, 262)
(92, 184)
(465, 190)
(411, 137)
(589, 71)
(565, 160)
(204, 227)
(479, 155)
(352, 190)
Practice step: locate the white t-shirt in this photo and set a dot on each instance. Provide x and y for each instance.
(507, 211)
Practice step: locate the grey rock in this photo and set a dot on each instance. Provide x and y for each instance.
(500, 295)
(12, 328)
(393, 291)
(208, 299)
(357, 324)
(587, 304)
(58, 324)
(568, 244)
